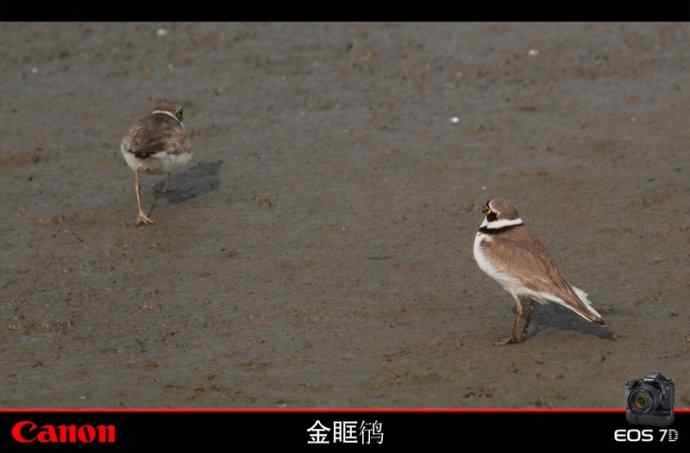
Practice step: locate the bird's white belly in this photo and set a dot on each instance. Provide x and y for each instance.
(509, 283)
(158, 163)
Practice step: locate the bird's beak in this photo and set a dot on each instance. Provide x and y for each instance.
(486, 210)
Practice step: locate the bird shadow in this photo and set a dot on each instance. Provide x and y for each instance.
(552, 315)
(191, 183)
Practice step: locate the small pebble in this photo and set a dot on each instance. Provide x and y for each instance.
(34, 70)
(162, 32)
(455, 120)
(483, 187)
(533, 52)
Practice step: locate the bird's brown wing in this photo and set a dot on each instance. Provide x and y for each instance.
(144, 142)
(523, 256)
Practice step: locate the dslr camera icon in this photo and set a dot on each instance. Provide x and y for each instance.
(649, 401)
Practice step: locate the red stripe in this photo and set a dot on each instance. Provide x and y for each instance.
(325, 410)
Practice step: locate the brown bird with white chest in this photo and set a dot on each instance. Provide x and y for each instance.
(510, 254)
(156, 144)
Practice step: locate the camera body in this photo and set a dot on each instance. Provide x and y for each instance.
(650, 400)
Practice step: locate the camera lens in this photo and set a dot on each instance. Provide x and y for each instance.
(641, 401)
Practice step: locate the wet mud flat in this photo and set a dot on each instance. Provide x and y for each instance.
(318, 251)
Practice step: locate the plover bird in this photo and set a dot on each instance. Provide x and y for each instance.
(506, 250)
(156, 144)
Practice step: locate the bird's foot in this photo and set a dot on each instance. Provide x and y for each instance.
(509, 340)
(143, 219)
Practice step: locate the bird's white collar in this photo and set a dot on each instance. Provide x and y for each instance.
(498, 224)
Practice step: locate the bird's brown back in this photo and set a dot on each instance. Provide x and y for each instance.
(155, 133)
(523, 255)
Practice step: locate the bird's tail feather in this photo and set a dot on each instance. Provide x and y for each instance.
(595, 316)
(584, 310)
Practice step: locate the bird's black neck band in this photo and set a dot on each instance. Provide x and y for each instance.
(487, 230)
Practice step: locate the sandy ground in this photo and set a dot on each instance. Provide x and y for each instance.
(319, 249)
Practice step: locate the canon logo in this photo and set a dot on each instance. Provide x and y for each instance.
(28, 432)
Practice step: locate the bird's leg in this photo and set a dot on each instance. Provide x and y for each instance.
(530, 312)
(142, 218)
(516, 323)
(166, 185)
(514, 338)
